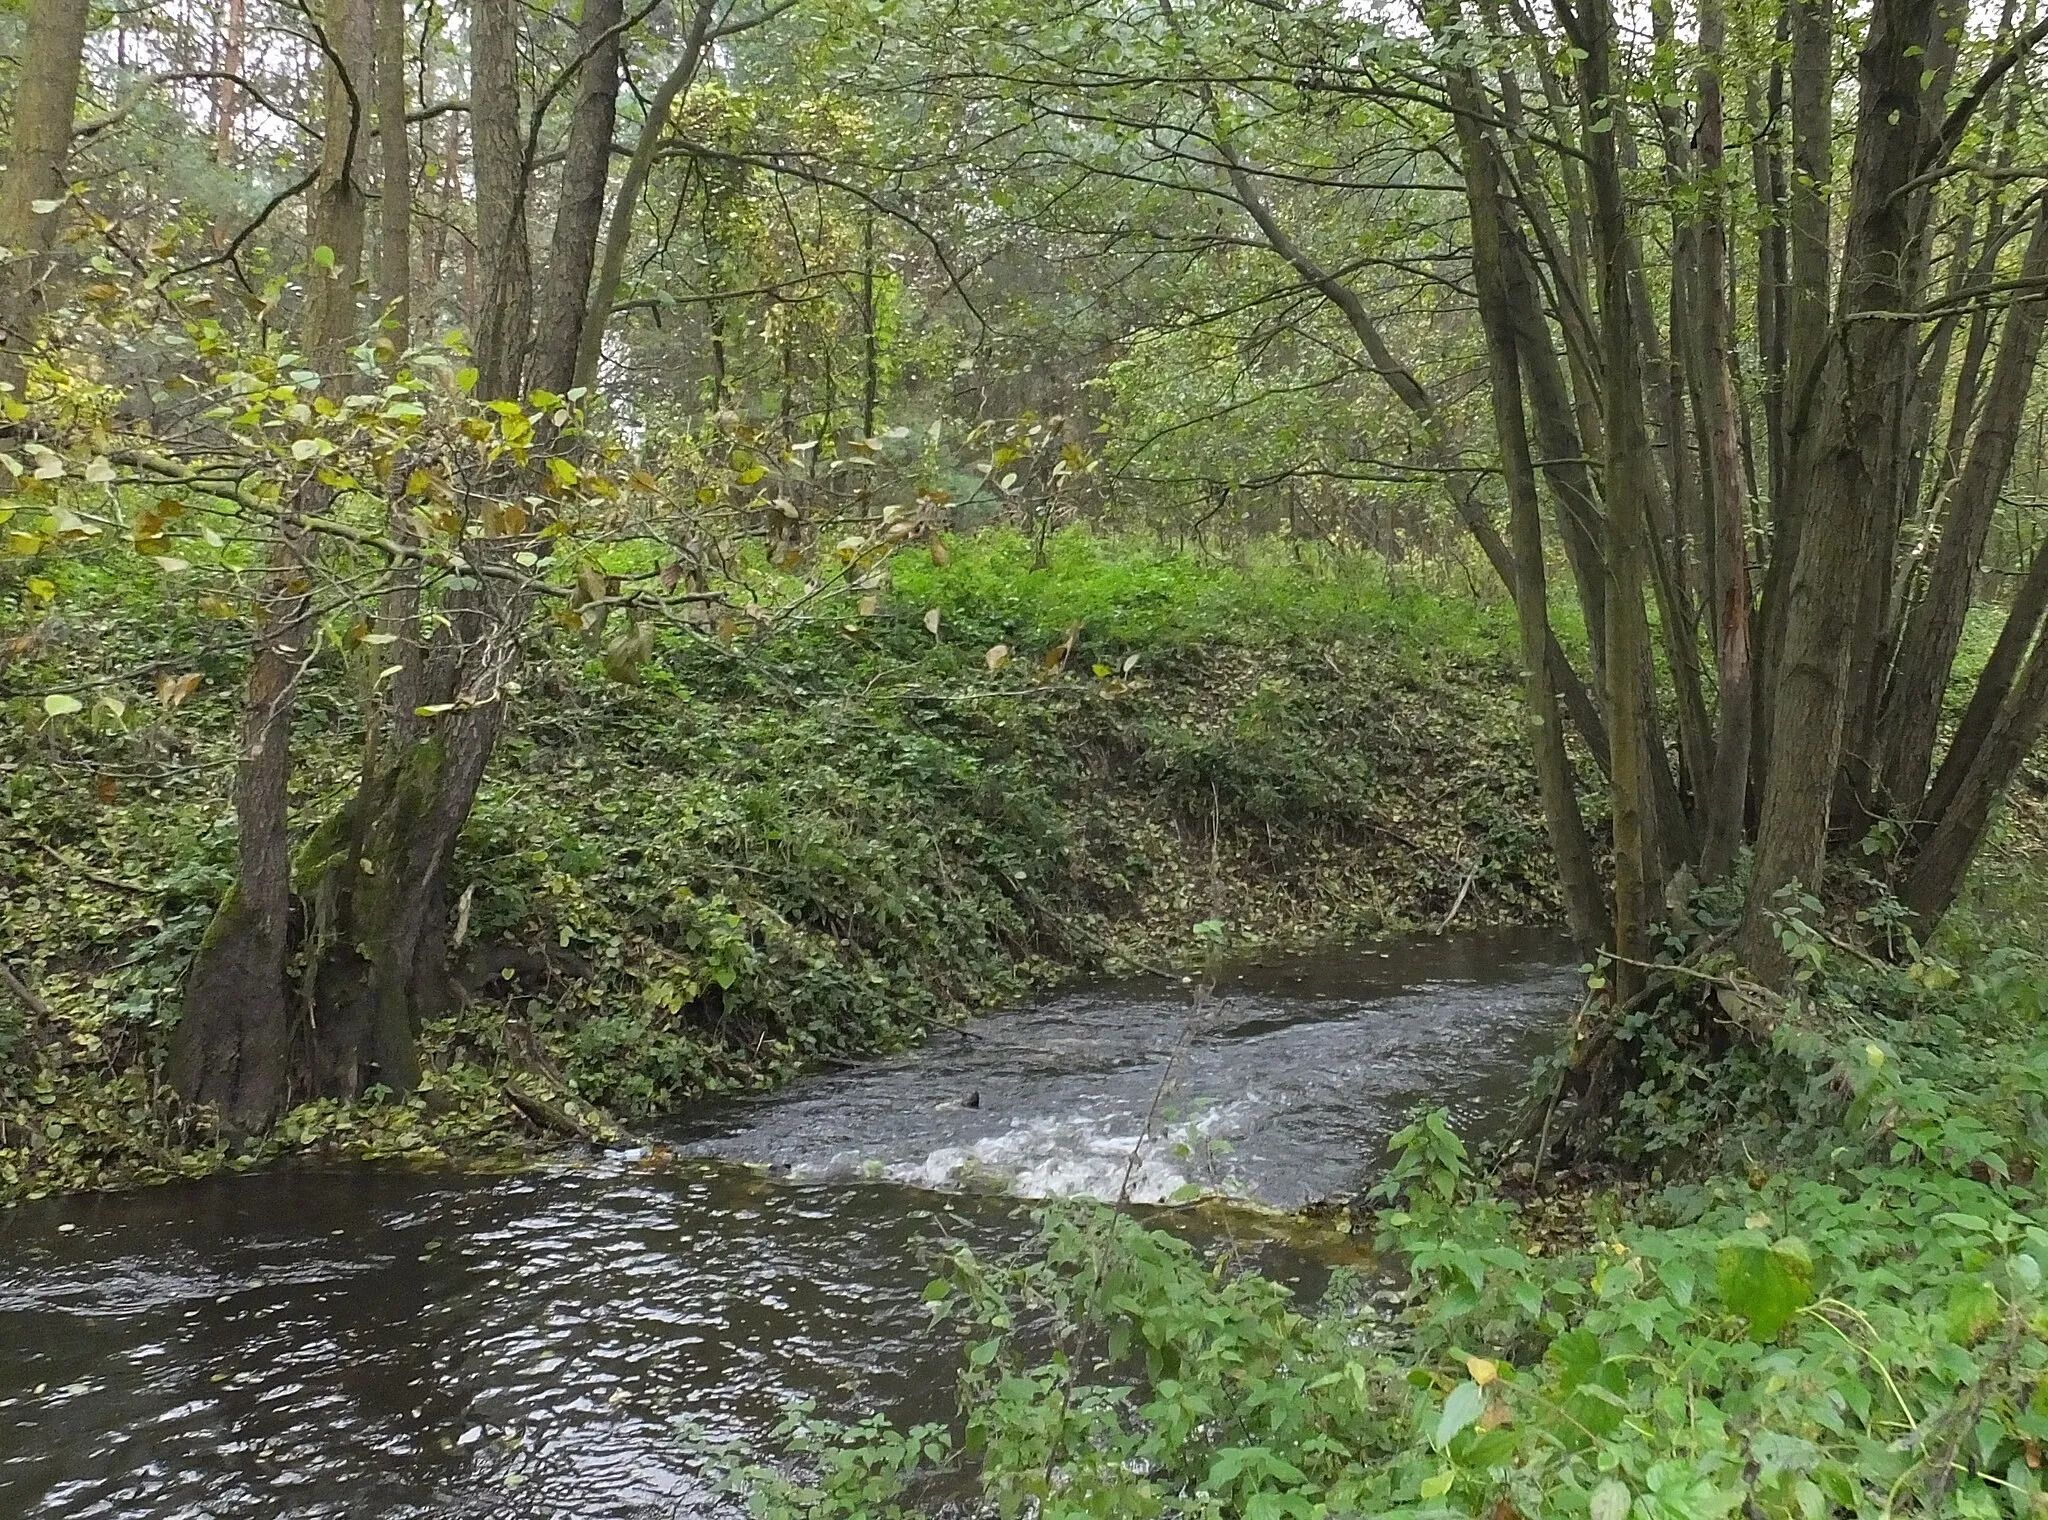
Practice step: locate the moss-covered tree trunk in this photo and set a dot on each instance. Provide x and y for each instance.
(232, 1047)
(375, 882)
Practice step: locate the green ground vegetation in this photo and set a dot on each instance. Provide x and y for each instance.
(769, 853)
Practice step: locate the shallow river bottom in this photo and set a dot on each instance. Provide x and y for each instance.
(383, 1342)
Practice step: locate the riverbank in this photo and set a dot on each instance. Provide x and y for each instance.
(777, 853)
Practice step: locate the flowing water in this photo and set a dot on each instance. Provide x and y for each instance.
(383, 1342)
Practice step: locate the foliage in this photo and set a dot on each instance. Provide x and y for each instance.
(1845, 1317)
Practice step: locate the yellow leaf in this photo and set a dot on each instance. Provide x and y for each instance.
(68, 524)
(171, 691)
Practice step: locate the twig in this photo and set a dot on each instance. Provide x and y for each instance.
(1459, 901)
(93, 876)
(19, 988)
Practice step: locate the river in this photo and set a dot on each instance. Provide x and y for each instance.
(380, 1341)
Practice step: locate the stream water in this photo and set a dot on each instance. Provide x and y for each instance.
(385, 1342)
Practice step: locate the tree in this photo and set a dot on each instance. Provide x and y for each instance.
(33, 191)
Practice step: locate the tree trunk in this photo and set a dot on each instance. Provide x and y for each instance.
(1584, 905)
(565, 291)
(227, 95)
(1629, 474)
(232, 1045)
(1936, 628)
(1725, 789)
(1767, 171)
(339, 201)
(394, 220)
(45, 100)
(504, 314)
(1942, 862)
(1581, 522)
(375, 880)
(1804, 319)
(1994, 684)
(626, 200)
(1862, 386)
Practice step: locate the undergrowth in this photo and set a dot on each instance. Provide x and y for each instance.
(809, 846)
(1840, 1313)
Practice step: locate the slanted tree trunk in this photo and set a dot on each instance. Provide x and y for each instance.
(1944, 858)
(45, 100)
(1994, 686)
(1584, 905)
(375, 875)
(565, 290)
(1936, 628)
(618, 235)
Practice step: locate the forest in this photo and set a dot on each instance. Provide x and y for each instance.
(1451, 599)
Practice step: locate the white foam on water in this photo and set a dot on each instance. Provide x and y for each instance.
(1069, 1156)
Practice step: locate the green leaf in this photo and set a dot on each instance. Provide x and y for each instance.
(1765, 1282)
(1973, 1308)
(1610, 1501)
(1466, 1403)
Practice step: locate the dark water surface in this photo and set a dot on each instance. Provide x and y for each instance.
(382, 1342)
